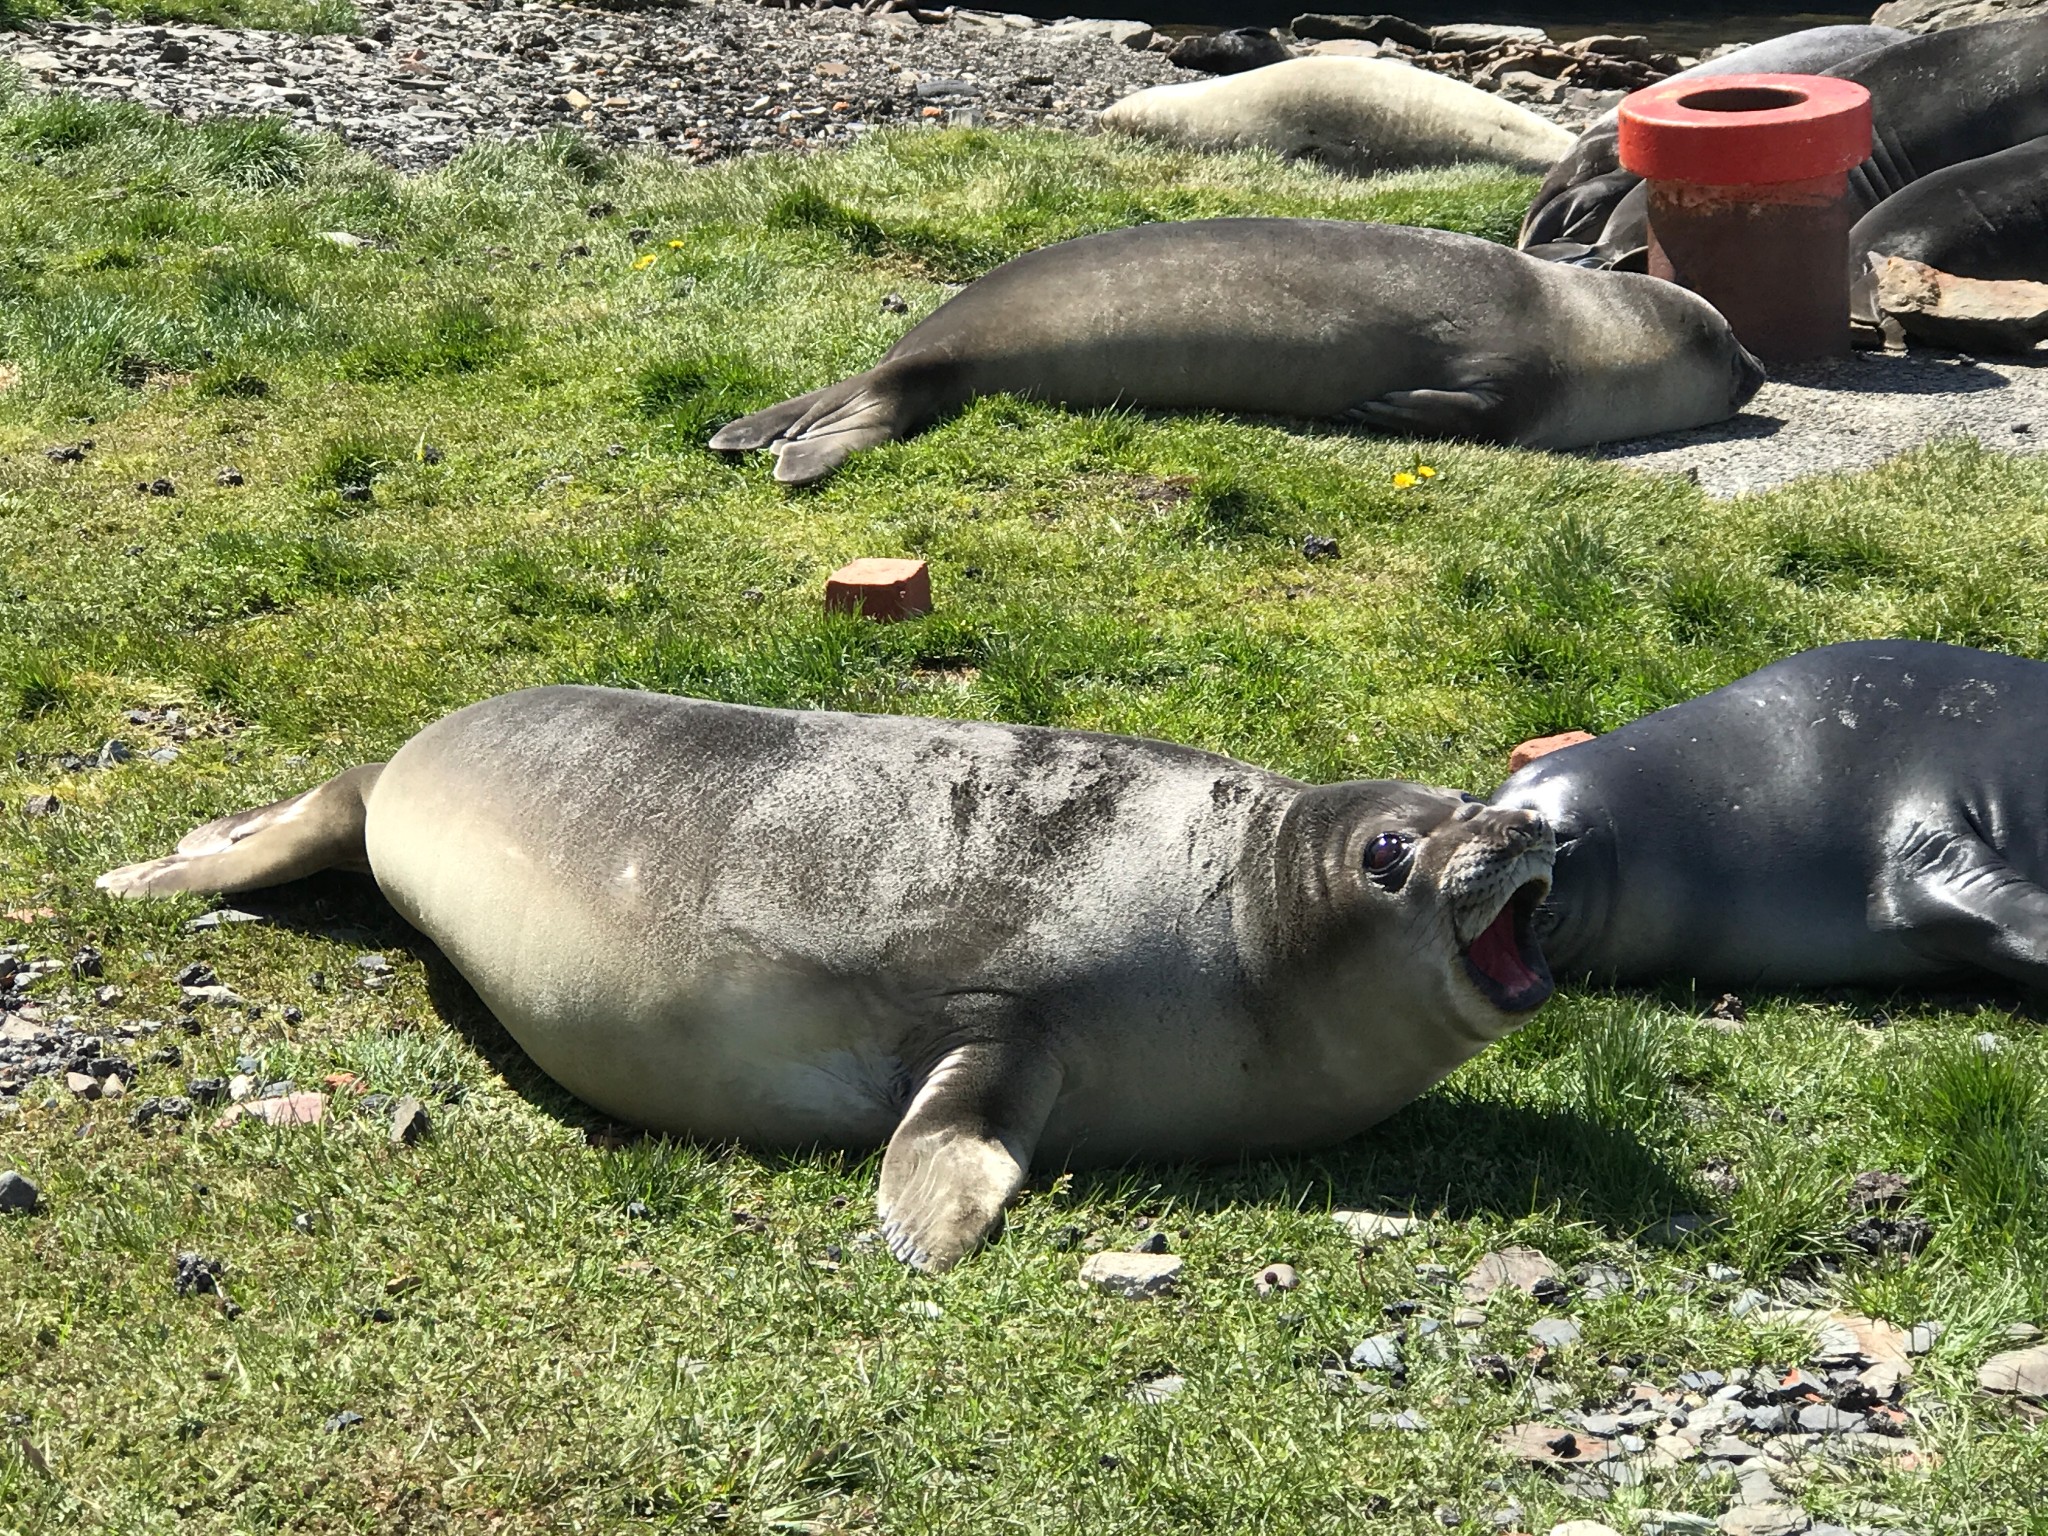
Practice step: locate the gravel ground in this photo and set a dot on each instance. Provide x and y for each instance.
(1818, 417)
(703, 80)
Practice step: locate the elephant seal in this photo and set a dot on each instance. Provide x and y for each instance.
(1872, 813)
(1570, 212)
(1405, 330)
(1936, 100)
(1356, 115)
(1985, 218)
(973, 943)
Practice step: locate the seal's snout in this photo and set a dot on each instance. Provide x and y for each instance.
(1749, 376)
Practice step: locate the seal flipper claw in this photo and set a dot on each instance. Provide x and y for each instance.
(1952, 895)
(1437, 412)
(285, 840)
(963, 1149)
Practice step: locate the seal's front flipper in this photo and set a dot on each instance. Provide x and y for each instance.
(963, 1149)
(1434, 412)
(286, 840)
(1951, 895)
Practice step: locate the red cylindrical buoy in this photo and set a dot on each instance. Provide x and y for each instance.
(1749, 200)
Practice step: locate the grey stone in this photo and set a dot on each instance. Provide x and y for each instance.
(1517, 1268)
(2022, 1372)
(1229, 53)
(1938, 15)
(1764, 1519)
(41, 805)
(1474, 37)
(1376, 1226)
(1922, 1337)
(1364, 29)
(409, 1123)
(222, 918)
(1151, 1242)
(1555, 1332)
(1134, 1276)
(1822, 1419)
(1157, 1389)
(18, 1194)
(1382, 1352)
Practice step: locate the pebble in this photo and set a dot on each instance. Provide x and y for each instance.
(2022, 1372)
(1276, 1277)
(1133, 1276)
(1583, 1528)
(1376, 1226)
(346, 1419)
(1522, 1269)
(1382, 1352)
(1555, 1332)
(1765, 1519)
(1157, 1389)
(409, 1123)
(18, 1194)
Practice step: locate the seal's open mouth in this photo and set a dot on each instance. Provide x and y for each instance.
(1505, 961)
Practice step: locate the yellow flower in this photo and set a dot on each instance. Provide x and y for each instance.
(1425, 471)
(675, 245)
(642, 263)
(1403, 479)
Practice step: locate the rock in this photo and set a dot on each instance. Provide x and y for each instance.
(1364, 29)
(227, 477)
(1382, 1352)
(1727, 1009)
(1468, 1317)
(347, 1419)
(18, 1194)
(1583, 1528)
(1131, 34)
(1229, 53)
(1879, 1235)
(1524, 753)
(1133, 1276)
(1475, 37)
(879, 589)
(1555, 1332)
(1275, 1277)
(1822, 1419)
(1520, 1268)
(1922, 1337)
(1973, 314)
(114, 1087)
(1318, 547)
(1878, 1190)
(83, 1085)
(1345, 48)
(240, 1087)
(194, 1274)
(1677, 1230)
(41, 805)
(1151, 1242)
(409, 1123)
(1767, 1519)
(1376, 1226)
(1938, 15)
(2021, 1372)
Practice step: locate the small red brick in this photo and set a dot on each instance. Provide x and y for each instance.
(880, 589)
(1542, 746)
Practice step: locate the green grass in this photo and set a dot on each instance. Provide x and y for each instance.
(301, 16)
(527, 408)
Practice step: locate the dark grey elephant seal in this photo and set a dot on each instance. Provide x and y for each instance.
(974, 943)
(1985, 218)
(1405, 330)
(1871, 813)
(1582, 190)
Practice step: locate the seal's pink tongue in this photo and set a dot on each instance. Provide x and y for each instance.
(1496, 953)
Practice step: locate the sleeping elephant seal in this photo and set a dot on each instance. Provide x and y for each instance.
(1866, 814)
(1582, 190)
(978, 944)
(1405, 330)
(1356, 115)
(1985, 218)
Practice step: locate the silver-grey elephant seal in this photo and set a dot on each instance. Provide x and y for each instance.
(1404, 330)
(1872, 813)
(1356, 115)
(974, 943)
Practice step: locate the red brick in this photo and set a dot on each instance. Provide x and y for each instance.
(1542, 746)
(880, 589)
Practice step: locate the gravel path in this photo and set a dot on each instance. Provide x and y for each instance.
(704, 81)
(1851, 414)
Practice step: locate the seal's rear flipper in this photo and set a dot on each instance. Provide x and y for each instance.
(321, 829)
(814, 434)
(1434, 412)
(1953, 896)
(963, 1149)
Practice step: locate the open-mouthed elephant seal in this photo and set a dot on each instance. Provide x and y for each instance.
(1356, 115)
(1935, 100)
(1383, 326)
(1582, 189)
(1985, 218)
(1872, 813)
(978, 944)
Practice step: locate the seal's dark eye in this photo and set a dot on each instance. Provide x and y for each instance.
(1386, 853)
